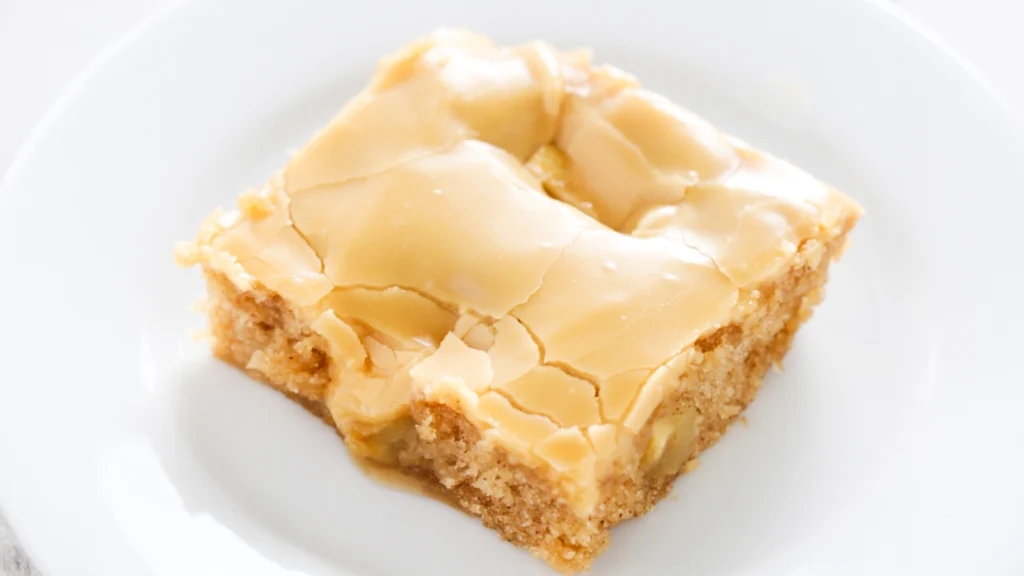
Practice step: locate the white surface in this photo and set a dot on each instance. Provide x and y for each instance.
(887, 447)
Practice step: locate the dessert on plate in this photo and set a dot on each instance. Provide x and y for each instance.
(522, 279)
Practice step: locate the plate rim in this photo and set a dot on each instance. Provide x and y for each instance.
(914, 23)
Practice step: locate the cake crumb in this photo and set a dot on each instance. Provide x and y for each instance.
(256, 202)
(729, 410)
(691, 465)
(186, 254)
(201, 304)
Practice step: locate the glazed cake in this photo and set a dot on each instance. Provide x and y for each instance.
(523, 280)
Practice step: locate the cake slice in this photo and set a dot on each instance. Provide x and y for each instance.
(522, 280)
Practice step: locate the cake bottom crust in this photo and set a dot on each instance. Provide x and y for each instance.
(257, 331)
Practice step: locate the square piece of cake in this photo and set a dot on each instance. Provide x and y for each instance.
(523, 280)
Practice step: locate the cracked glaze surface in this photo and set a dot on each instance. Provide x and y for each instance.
(436, 266)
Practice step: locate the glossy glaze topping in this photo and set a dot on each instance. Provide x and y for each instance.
(415, 237)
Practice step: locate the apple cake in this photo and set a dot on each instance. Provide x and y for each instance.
(523, 280)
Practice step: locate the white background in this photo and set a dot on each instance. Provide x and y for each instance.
(45, 44)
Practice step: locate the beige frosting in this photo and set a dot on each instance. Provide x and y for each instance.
(437, 267)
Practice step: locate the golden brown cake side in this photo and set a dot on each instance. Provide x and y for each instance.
(257, 331)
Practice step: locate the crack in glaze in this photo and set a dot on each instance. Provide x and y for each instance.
(444, 305)
(571, 370)
(368, 175)
(566, 368)
(518, 406)
(306, 240)
(544, 276)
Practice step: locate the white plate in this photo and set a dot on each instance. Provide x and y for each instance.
(890, 445)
